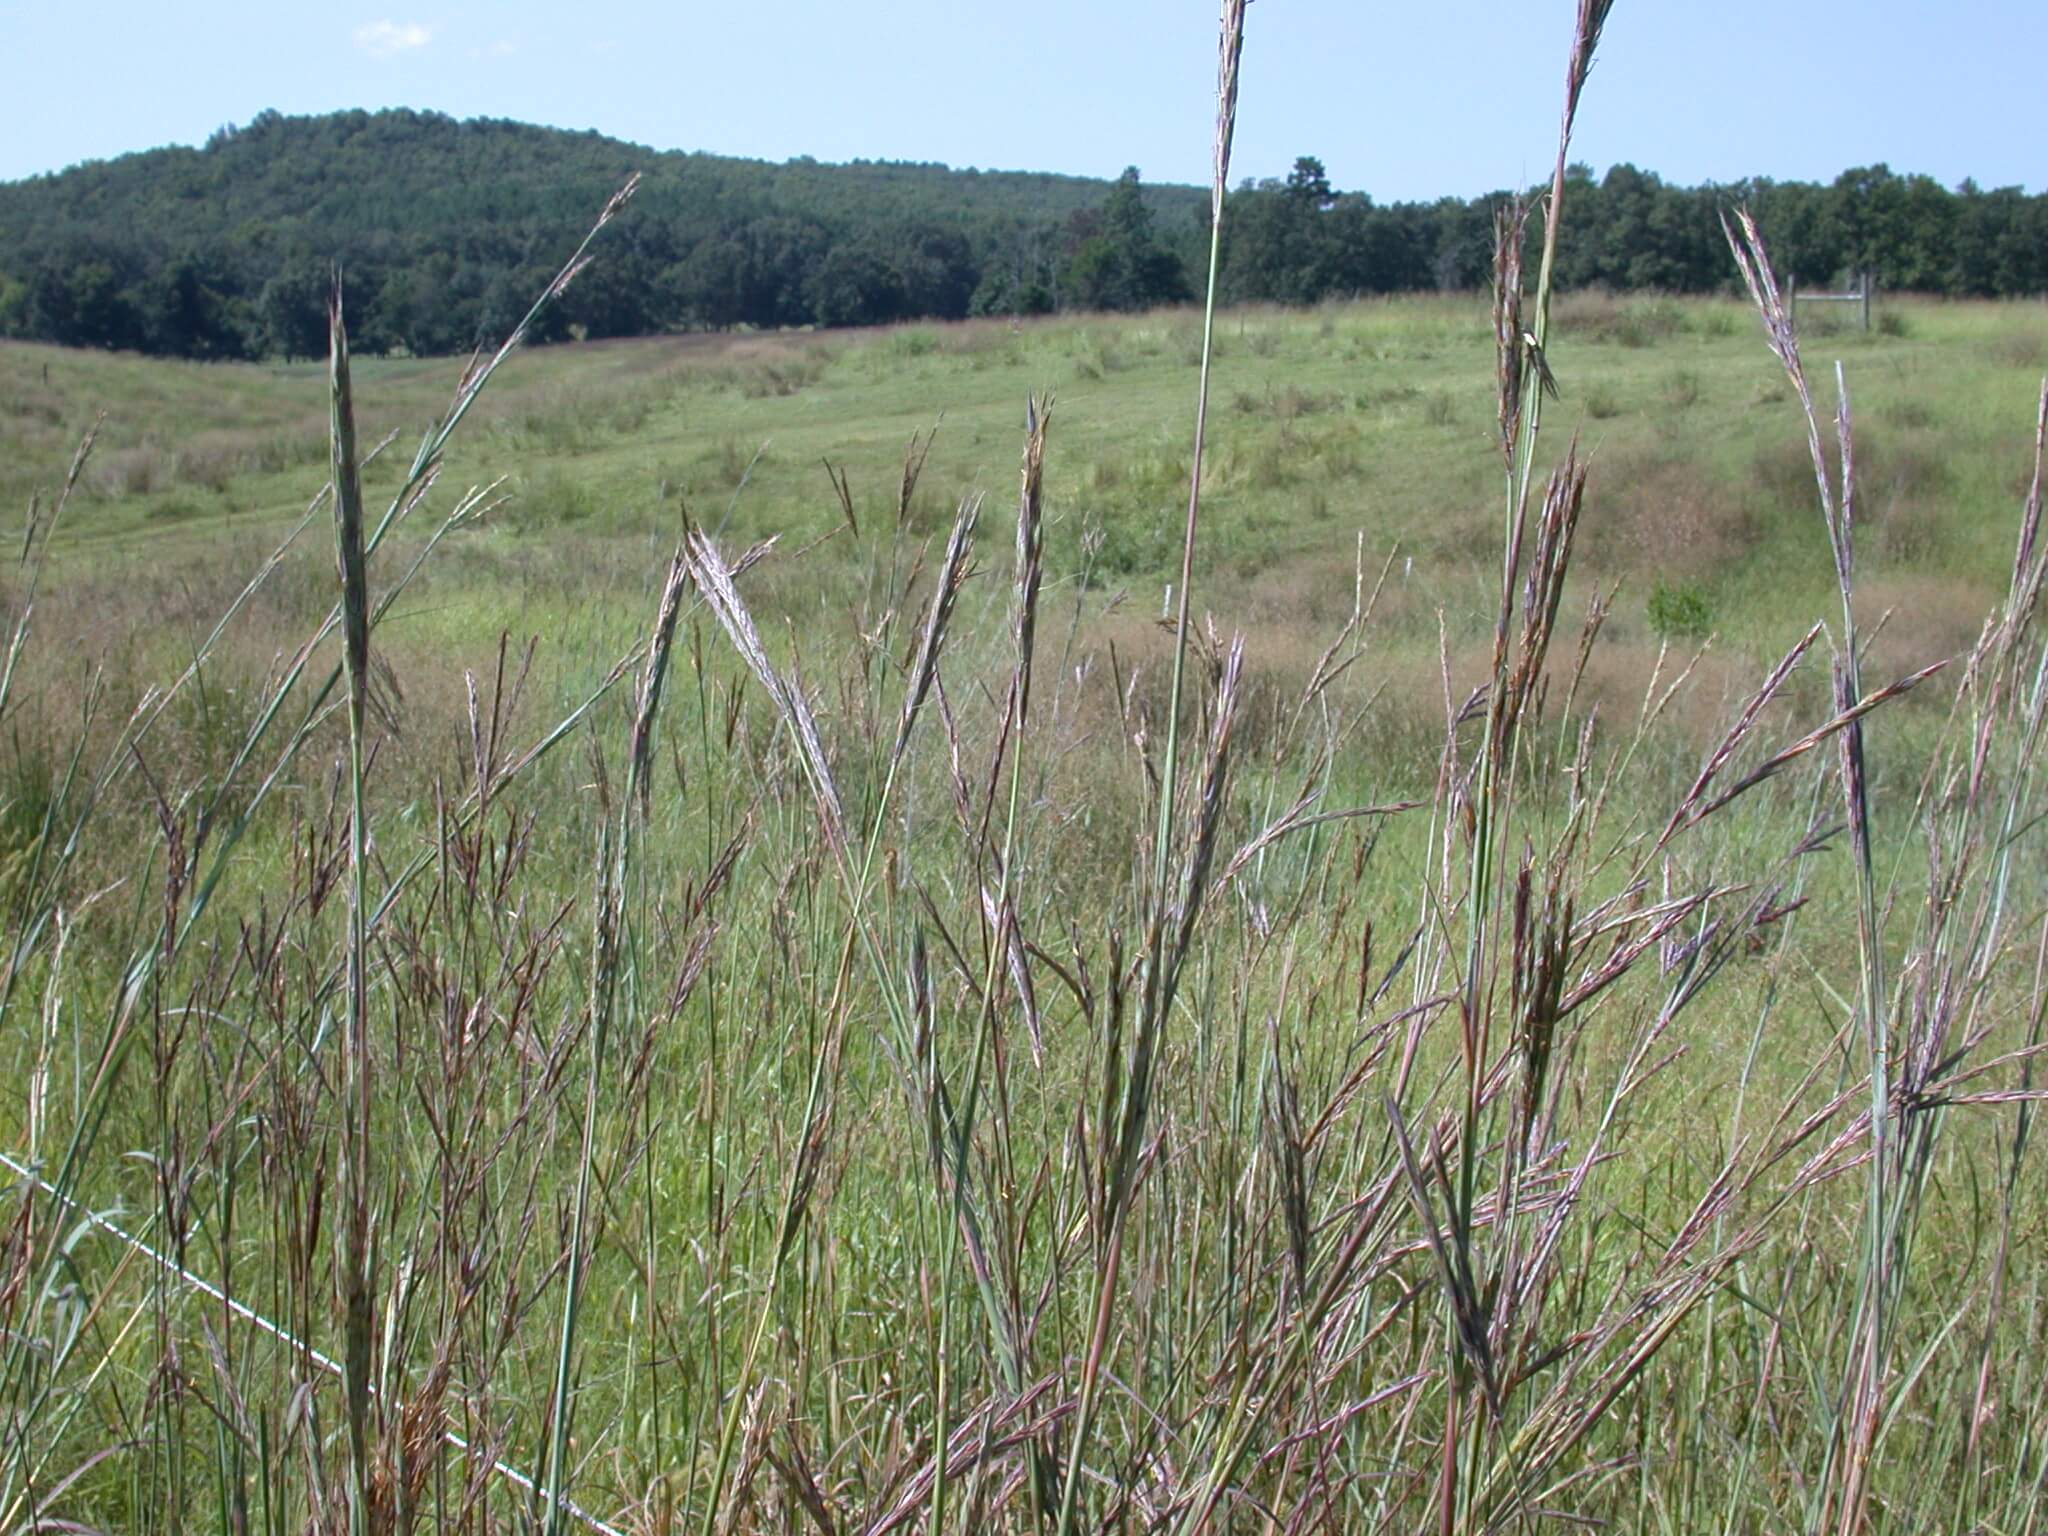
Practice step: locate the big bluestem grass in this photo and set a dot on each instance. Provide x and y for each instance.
(916, 1068)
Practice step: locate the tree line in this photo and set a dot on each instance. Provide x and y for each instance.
(446, 230)
(1298, 240)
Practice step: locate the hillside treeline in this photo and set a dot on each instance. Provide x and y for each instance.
(446, 231)
(1299, 241)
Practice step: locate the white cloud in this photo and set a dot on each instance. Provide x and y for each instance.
(382, 39)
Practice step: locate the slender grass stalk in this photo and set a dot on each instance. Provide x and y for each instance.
(1845, 1487)
(957, 1129)
(1159, 966)
(357, 1178)
(1524, 379)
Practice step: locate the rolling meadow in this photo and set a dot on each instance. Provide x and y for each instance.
(749, 957)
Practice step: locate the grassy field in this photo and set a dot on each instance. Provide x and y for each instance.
(1355, 426)
(808, 1036)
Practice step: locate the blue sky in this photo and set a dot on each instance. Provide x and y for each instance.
(1403, 101)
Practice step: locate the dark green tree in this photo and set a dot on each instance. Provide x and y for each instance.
(1121, 266)
(187, 311)
(1309, 185)
(936, 271)
(855, 285)
(81, 301)
(291, 311)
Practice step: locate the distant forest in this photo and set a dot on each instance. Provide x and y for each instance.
(446, 230)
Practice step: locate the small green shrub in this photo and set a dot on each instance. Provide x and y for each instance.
(1129, 547)
(1679, 610)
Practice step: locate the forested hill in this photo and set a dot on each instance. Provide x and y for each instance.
(447, 229)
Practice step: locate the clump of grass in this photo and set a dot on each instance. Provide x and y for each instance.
(2021, 348)
(1895, 471)
(1646, 322)
(211, 467)
(1823, 322)
(1392, 394)
(1602, 403)
(777, 378)
(1713, 321)
(913, 341)
(176, 508)
(1912, 533)
(129, 472)
(1635, 322)
(553, 498)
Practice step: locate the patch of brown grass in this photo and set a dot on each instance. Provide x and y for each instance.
(1654, 510)
(1626, 672)
(1928, 618)
(1635, 320)
(969, 338)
